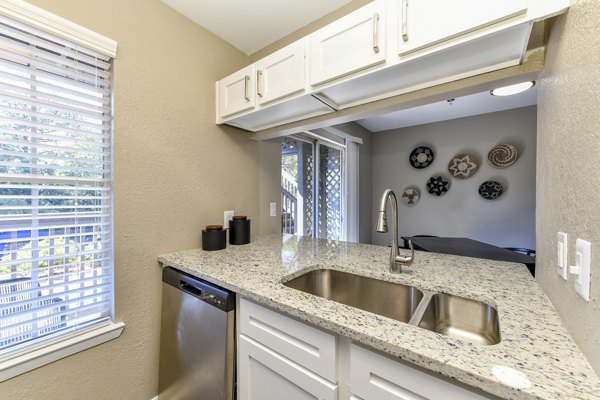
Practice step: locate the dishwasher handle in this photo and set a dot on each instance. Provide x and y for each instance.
(191, 289)
(202, 290)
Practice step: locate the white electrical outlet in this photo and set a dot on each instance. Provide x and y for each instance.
(583, 255)
(273, 209)
(227, 215)
(562, 259)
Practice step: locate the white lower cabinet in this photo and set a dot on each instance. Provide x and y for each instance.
(375, 377)
(267, 375)
(281, 358)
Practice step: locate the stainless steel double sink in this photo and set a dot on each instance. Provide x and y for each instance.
(446, 314)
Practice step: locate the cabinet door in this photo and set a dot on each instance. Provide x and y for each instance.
(266, 375)
(352, 43)
(375, 377)
(310, 347)
(427, 22)
(282, 73)
(236, 92)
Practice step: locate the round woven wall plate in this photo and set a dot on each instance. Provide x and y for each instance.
(421, 157)
(490, 190)
(410, 196)
(437, 185)
(503, 155)
(463, 166)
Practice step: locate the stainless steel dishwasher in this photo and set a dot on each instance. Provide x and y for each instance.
(197, 339)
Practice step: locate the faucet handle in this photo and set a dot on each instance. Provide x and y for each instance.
(409, 259)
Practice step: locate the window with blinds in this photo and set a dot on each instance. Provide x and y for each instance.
(56, 256)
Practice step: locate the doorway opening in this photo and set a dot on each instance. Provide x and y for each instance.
(312, 188)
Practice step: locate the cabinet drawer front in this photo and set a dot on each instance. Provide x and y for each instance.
(312, 348)
(375, 377)
(267, 375)
(236, 92)
(352, 43)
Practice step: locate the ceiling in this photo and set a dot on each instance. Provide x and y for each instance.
(251, 25)
(474, 104)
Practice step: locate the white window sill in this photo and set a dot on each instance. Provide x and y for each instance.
(55, 351)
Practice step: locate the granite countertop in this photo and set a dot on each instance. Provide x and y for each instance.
(536, 359)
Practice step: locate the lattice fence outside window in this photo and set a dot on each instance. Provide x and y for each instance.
(330, 193)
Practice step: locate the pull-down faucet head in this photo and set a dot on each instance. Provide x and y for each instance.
(396, 260)
(382, 222)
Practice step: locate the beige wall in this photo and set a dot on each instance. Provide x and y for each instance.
(568, 159)
(176, 171)
(270, 186)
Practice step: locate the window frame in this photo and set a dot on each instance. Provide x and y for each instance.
(31, 357)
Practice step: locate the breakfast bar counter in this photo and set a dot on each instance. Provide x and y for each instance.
(535, 359)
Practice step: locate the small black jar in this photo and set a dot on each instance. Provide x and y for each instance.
(214, 237)
(239, 230)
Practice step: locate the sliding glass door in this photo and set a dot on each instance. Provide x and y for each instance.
(312, 188)
(330, 190)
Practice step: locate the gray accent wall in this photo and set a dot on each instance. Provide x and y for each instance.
(507, 222)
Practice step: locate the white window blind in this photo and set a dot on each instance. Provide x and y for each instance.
(56, 252)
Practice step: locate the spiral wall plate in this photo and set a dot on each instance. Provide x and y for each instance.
(503, 155)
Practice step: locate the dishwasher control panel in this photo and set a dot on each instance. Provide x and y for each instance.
(207, 292)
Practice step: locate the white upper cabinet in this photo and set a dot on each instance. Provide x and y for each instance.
(282, 73)
(235, 93)
(383, 49)
(424, 23)
(352, 43)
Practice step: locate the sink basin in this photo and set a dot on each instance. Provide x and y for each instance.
(388, 299)
(462, 318)
(466, 319)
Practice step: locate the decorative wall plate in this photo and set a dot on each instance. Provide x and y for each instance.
(463, 166)
(410, 196)
(490, 190)
(503, 155)
(421, 157)
(438, 185)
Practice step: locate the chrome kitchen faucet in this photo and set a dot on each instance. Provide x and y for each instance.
(396, 261)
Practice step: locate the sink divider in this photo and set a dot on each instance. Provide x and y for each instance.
(421, 308)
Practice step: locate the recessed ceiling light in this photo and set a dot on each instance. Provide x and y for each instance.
(512, 89)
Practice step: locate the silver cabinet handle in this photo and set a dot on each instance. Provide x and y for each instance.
(246, 90)
(405, 20)
(376, 32)
(259, 89)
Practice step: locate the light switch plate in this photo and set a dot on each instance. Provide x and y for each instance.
(227, 215)
(273, 209)
(562, 259)
(583, 255)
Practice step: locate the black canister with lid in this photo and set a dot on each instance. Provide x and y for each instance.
(214, 237)
(239, 230)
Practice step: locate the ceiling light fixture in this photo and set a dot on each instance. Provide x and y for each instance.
(512, 89)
